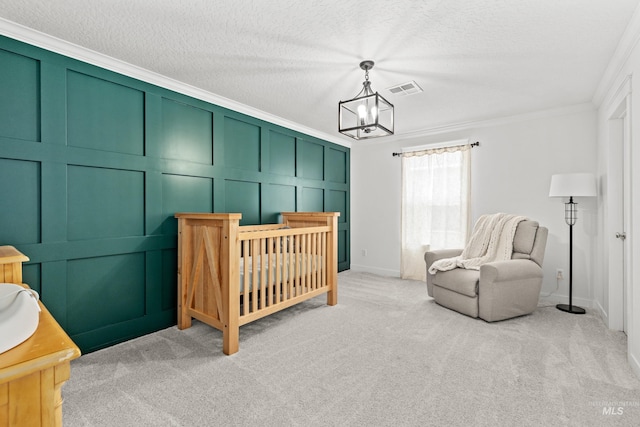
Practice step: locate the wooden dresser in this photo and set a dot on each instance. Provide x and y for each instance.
(32, 373)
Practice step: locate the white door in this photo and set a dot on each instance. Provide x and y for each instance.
(619, 203)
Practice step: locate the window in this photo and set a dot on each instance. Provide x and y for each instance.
(435, 204)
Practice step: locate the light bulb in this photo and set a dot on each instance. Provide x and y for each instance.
(362, 111)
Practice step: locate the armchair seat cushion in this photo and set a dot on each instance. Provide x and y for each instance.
(459, 280)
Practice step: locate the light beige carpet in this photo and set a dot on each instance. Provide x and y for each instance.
(386, 355)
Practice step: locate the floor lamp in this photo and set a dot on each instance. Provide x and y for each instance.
(572, 185)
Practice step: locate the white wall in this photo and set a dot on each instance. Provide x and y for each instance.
(511, 172)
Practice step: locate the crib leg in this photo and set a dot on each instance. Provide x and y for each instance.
(332, 297)
(184, 320)
(230, 338)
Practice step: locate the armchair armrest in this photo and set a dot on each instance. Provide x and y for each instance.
(508, 289)
(515, 269)
(431, 256)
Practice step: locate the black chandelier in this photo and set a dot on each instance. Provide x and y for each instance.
(368, 115)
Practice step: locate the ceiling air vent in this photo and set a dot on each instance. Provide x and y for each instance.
(404, 89)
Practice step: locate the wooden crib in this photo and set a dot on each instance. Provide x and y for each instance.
(230, 275)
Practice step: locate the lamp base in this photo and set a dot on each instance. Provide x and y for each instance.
(573, 309)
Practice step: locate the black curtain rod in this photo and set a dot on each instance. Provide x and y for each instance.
(475, 144)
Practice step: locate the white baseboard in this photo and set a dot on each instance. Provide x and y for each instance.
(634, 363)
(601, 312)
(375, 270)
(564, 299)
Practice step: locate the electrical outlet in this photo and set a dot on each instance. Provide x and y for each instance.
(560, 274)
(364, 252)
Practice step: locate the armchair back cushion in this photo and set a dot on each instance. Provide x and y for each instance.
(529, 241)
(525, 237)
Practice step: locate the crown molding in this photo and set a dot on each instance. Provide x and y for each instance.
(498, 121)
(623, 51)
(45, 41)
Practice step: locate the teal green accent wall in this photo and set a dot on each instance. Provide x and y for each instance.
(20, 89)
(104, 116)
(94, 165)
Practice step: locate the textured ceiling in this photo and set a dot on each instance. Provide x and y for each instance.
(296, 59)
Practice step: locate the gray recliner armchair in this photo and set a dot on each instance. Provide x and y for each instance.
(499, 290)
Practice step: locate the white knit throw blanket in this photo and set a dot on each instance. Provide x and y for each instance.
(491, 240)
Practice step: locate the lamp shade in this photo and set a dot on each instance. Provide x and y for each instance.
(573, 185)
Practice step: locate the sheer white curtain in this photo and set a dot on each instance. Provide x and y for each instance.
(435, 204)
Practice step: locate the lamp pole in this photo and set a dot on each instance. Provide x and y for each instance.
(570, 217)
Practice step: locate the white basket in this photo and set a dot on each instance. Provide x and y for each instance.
(19, 315)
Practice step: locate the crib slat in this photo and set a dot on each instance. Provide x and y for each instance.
(303, 267)
(296, 264)
(263, 268)
(314, 255)
(307, 262)
(312, 262)
(278, 269)
(270, 283)
(291, 264)
(254, 275)
(319, 258)
(245, 277)
(323, 269)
